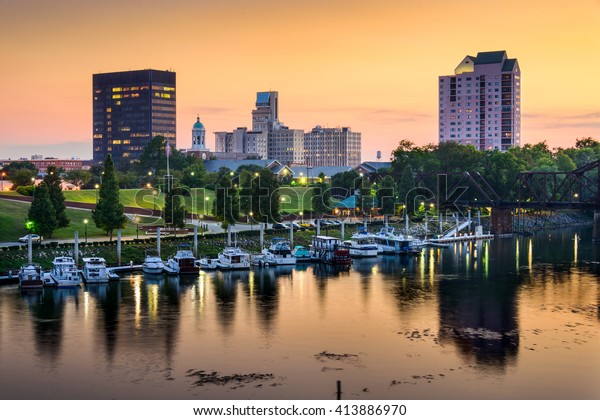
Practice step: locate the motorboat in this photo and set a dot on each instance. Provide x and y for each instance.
(279, 253)
(95, 271)
(153, 264)
(207, 263)
(64, 273)
(30, 277)
(388, 242)
(233, 258)
(329, 250)
(183, 262)
(361, 244)
(302, 254)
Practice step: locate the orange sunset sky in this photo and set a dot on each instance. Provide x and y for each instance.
(371, 65)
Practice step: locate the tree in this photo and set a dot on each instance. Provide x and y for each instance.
(321, 196)
(79, 177)
(108, 214)
(21, 177)
(406, 185)
(226, 204)
(174, 211)
(41, 219)
(265, 197)
(54, 184)
(365, 202)
(344, 180)
(385, 196)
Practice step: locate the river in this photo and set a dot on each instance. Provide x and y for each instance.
(512, 318)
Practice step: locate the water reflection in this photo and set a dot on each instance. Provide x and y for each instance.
(475, 297)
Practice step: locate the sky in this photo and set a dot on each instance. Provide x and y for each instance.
(369, 65)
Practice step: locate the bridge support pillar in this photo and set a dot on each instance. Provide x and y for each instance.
(501, 221)
(596, 230)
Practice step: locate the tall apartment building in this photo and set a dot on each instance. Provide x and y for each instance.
(129, 109)
(481, 103)
(332, 147)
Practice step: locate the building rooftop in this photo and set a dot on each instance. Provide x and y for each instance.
(490, 57)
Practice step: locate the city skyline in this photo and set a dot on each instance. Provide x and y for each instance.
(371, 67)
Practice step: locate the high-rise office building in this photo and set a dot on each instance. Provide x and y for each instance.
(130, 108)
(480, 104)
(332, 147)
(266, 115)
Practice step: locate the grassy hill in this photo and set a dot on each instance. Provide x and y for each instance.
(13, 215)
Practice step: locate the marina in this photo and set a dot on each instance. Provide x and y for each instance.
(509, 318)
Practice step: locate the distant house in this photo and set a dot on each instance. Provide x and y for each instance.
(371, 167)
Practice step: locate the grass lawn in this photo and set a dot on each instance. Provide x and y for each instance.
(295, 199)
(13, 215)
(143, 198)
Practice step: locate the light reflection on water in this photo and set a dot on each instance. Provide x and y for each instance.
(510, 318)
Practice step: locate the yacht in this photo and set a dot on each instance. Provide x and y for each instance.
(279, 253)
(30, 277)
(183, 262)
(207, 263)
(388, 242)
(153, 264)
(64, 273)
(302, 254)
(95, 271)
(361, 244)
(233, 258)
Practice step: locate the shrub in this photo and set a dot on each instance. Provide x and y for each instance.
(25, 190)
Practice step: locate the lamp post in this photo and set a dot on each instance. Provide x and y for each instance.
(302, 216)
(96, 187)
(136, 219)
(3, 175)
(205, 201)
(251, 220)
(154, 192)
(85, 223)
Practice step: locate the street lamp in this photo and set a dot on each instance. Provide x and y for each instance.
(96, 187)
(205, 201)
(302, 216)
(85, 223)
(33, 181)
(251, 220)
(3, 175)
(154, 192)
(136, 219)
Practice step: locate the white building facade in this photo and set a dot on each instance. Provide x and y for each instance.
(480, 104)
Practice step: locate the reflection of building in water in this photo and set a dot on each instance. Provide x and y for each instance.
(479, 316)
(265, 292)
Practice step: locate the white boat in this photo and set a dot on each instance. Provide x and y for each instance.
(64, 273)
(207, 263)
(233, 258)
(95, 271)
(279, 253)
(388, 242)
(153, 264)
(183, 262)
(30, 277)
(361, 244)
